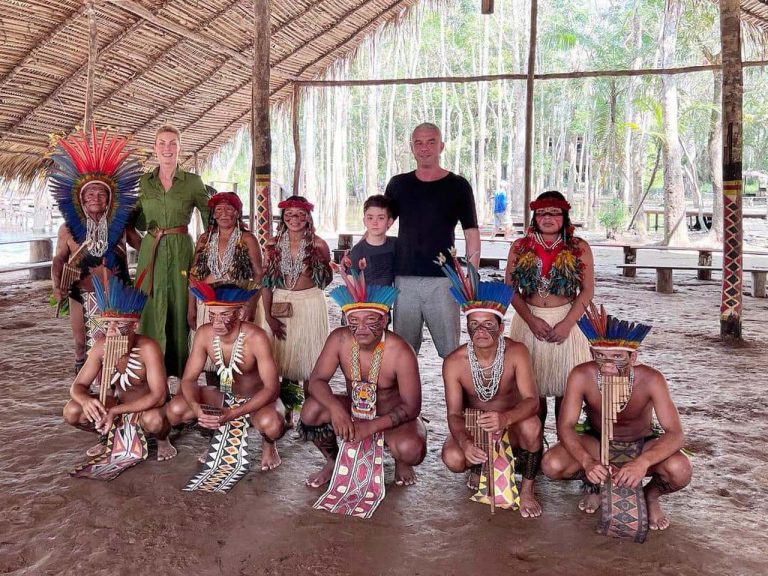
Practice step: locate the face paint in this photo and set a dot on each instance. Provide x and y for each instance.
(491, 327)
(224, 321)
(610, 362)
(366, 327)
(120, 327)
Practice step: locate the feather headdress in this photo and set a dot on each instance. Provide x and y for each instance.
(115, 299)
(80, 162)
(472, 294)
(223, 294)
(356, 296)
(607, 332)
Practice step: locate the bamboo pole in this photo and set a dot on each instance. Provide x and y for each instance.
(91, 76)
(529, 116)
(733, 93)
(543, 76)
(296, 139)
(261, 143)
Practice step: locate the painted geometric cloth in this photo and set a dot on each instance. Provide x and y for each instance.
(94, 327)
(126, 447)
(505, 489)
(623, 511)
(357, 485)
(227, 460)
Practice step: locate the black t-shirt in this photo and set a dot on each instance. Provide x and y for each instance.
(380, 261)
(428, 212)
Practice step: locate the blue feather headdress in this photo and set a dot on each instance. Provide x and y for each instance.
(80, 161)
(472, 294)
(229, 294)
(609, 333)
(115, 299)
(356, 296)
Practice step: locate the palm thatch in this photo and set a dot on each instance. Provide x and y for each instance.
(185, 62)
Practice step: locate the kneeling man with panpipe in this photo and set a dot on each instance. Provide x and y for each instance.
(132, 389)
(381, 405)
(491, 398)
(248, 387)
(619, 448)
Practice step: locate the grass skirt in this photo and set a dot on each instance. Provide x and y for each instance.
(306, 332)
(551, 362)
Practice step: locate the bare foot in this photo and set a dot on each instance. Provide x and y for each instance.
(165, 450)
(657, 520)
(529, 506)
(404, 474)
(473, 480)
(322, 476)
(590, 503)
(270, 459)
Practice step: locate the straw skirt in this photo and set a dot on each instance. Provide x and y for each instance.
(306, 332)
(551, 362)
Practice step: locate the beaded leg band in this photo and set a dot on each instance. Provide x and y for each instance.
(322, 436)
(530, 463)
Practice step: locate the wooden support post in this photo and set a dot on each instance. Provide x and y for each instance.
(733, 93)
(40, 251)
(664, 283)
(527, 176)
(92, 56)
(758, 284)
(630, 257)
(705, 259)
(296, 138)
(261, 139)
(486, 6)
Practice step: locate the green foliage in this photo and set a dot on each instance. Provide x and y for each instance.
(613, 216)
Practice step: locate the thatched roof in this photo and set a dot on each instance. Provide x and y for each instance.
(187, 62)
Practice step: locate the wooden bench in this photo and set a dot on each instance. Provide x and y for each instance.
(704, 268)
(665, 285)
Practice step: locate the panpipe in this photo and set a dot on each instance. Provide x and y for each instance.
(71, 274)
(623, 510)
(615, 395)
(115, 347)
(484, 441)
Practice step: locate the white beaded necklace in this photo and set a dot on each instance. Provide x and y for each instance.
(486, 387)
(219, 267)
(97, 234)
(291, 268)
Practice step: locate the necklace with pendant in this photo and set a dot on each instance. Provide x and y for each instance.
(227, 373)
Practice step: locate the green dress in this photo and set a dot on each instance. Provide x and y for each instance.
(164, 318)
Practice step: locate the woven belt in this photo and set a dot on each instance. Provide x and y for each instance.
(157, 234)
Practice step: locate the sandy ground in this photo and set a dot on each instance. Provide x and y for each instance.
(142, 523)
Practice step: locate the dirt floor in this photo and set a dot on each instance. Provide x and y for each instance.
(142, 523)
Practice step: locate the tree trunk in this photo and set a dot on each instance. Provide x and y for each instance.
(675, 222)
(715, 149)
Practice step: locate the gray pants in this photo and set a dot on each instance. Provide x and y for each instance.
(427, 299)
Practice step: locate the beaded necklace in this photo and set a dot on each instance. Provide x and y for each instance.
(219, 267)
(291, 268)
(486, 380)
(227, 373)
(622, 405)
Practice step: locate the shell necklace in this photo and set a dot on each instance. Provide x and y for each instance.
(486, 380)
(227, 373)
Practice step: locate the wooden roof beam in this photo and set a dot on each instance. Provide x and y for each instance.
(40, 44)
(170, 26)
(156, 60)
(76, 74)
